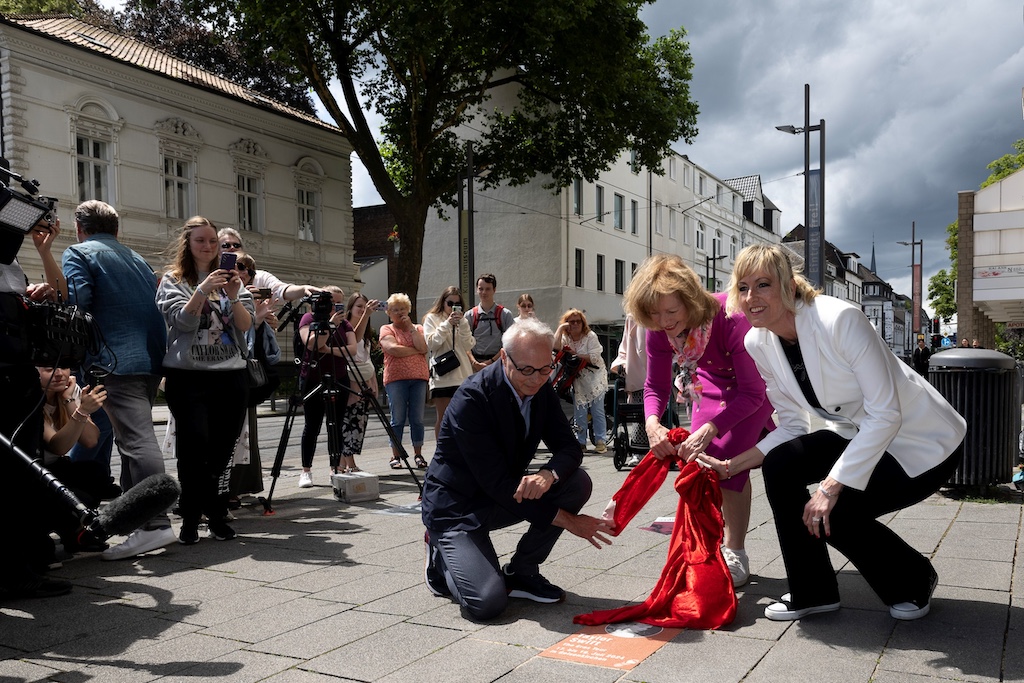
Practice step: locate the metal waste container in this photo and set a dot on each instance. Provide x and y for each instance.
(984, 386)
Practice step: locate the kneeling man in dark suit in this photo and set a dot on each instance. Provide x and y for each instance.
(478, 481)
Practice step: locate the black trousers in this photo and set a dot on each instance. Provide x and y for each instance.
(470, 564)
(893, 569)
(209, 408)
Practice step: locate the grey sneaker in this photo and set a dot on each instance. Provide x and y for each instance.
(138, 542)
(739, 565)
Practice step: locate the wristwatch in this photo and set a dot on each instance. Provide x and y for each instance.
(553, 473)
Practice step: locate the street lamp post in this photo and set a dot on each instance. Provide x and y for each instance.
(711, 267)
(916, 275)
(814, 220)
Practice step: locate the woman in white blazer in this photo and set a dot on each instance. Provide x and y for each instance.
(891, 439)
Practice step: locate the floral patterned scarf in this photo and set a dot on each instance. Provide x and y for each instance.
(689, 349)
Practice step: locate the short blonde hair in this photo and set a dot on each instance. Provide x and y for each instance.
(663, 275)
(772, 260)
(400, 299)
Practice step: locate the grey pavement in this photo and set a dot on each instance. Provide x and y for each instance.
(324, 591)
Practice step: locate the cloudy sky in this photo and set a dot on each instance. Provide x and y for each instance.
(918, 97)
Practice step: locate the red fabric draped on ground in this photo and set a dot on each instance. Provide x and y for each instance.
(695, 588)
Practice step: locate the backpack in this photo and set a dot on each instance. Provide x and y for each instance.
(476, 312)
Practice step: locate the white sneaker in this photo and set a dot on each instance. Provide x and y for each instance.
(739, 565)
(306, 480)
(633, 460)
(140, 541)
(601, 447)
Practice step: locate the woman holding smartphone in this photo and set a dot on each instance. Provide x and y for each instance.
(208, 312)
(443, 331)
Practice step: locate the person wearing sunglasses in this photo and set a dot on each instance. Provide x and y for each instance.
(444, 331)
(591, 384)
(476, 484)
(231, 241)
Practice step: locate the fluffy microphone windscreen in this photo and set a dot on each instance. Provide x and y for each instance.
(139, 504)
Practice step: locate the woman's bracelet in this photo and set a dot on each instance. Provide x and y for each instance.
(727, 474)
(79, 416)
(69, 400)
(824, 491)
(233, 301)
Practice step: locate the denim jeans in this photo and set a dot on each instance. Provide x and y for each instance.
(596, 409)
(406, 398)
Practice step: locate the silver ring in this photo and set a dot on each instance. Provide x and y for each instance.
(815, 519)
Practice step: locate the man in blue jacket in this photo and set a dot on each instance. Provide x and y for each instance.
(117, 286)
(479, 480)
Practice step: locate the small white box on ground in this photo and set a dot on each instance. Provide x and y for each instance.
(355, 487)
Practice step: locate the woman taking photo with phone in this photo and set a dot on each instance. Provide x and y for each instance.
(208, 312)
(444, 332)
(361, 372)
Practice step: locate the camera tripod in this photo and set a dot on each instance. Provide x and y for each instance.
(331, 391)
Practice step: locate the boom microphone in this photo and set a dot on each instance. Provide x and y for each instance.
(139, 504)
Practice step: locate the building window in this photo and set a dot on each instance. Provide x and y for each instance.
(734, 202)
(249, 192)
(632, 269)
(719, 197)
(577, 196)
(657, 217)
(634, 165)
(687, 229)
(733, 248)
(672, 168)
(686, 175)
(619, 207)
(179, 147)
(700, 186)
(250, 162)
(716, 247)
(308, 204)
(599, 202)
(178, 177)
(309, 176)
(700, 236)
(671, 223)
(579, 268)
(620, 276)
(634, 220)
(95, 126)
(600, 272)
(93, 168)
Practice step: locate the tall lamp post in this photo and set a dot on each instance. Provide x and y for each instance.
(916, 276)
(711, 267)
(814, 206)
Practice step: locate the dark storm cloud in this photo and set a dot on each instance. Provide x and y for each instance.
(918, 97)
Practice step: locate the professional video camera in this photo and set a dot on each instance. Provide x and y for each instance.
(321, 305)
(38, 332)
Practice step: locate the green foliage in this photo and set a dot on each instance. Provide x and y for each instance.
(542, 88)
(941, 294)
(1010, 342)
(40, 7)
(1006, 165)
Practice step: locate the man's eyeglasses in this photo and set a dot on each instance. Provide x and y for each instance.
(529, 369)
(231, 245)
(452, 303)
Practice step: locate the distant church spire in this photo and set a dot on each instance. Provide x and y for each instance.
(873, 255)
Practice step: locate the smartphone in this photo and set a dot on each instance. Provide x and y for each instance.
(457, 309)
(339, 308)
(382, 306)
(227, 260)
(264, 293)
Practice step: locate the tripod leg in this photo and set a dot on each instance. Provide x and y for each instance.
(334, 440)
(282, 445)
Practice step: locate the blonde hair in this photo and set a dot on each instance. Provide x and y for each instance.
(183, 266)
(575, 311)
(400, 299)
(663, 275)
(772, 260)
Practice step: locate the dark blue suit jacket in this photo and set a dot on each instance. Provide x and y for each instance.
(483, 451)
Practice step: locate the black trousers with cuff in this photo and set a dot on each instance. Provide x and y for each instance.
(894, 570)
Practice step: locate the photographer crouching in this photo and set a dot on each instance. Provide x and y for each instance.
(29, 547)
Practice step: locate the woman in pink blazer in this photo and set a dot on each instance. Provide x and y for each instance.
(688, 325)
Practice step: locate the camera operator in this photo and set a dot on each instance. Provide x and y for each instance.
(329, 339)
(29, 547)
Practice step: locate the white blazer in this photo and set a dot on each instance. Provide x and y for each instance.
(867, 394)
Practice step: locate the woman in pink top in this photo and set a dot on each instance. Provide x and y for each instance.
(405, 375)
(688, 325)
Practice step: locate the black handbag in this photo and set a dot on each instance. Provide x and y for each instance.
(446, 362)
(256, 372)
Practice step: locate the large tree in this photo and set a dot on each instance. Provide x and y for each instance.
(543, 88)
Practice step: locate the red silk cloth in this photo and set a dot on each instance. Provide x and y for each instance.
(695, 589)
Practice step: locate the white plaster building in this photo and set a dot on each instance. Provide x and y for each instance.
(578, 247)
(95, 115)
